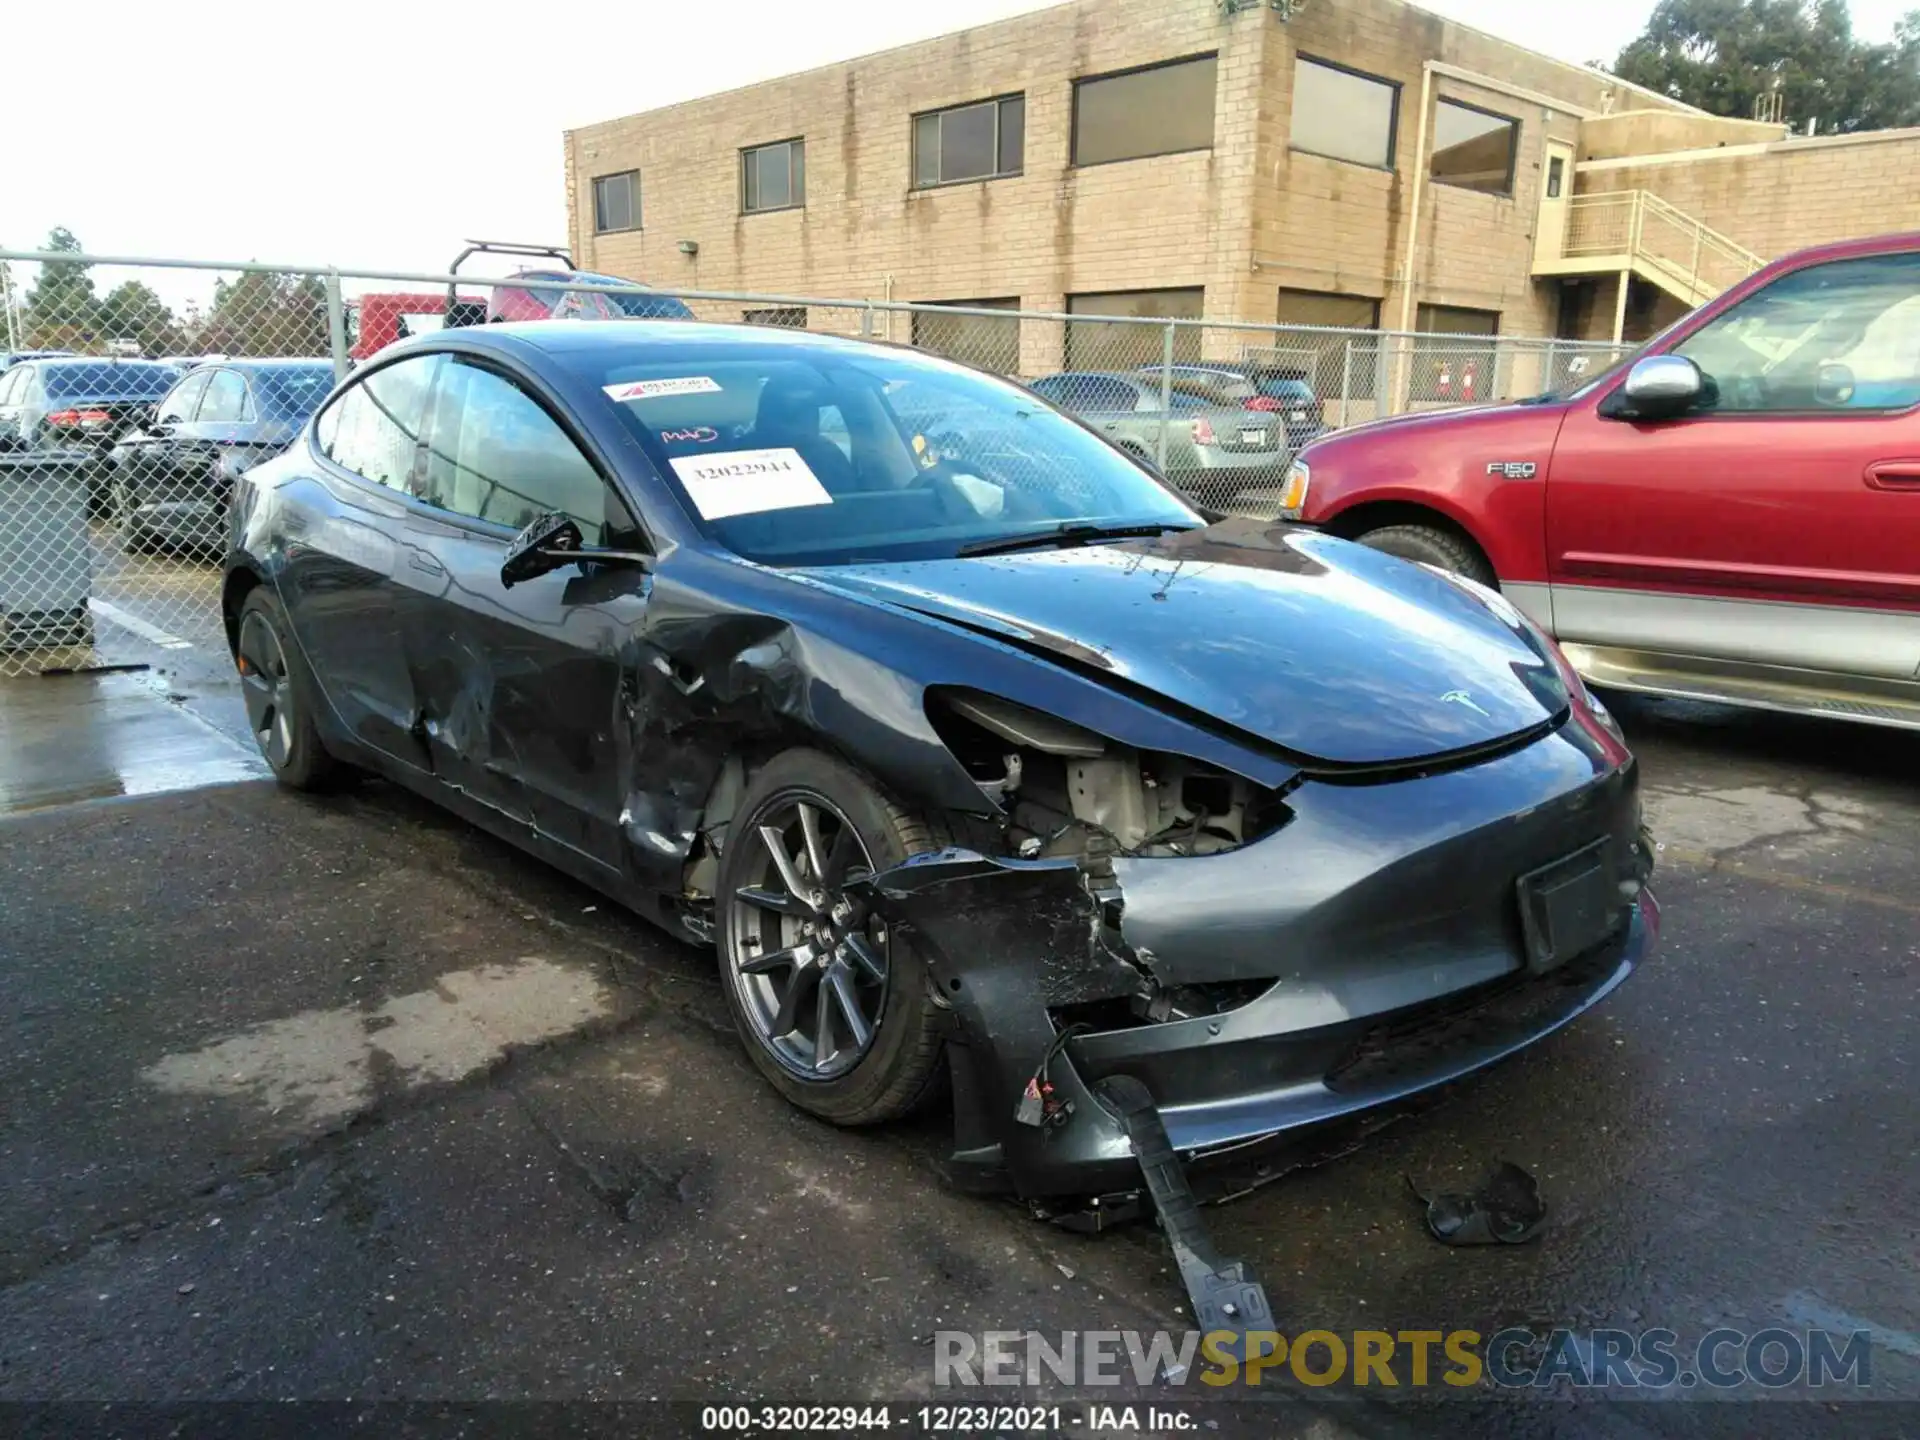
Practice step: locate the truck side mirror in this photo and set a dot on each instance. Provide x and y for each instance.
(1659, 387)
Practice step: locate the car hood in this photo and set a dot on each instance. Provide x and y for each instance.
(1333, 652)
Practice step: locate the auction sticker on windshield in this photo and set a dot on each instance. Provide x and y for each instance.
(748, 482)
(654, 389)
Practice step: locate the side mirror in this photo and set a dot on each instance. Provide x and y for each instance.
(1658, 387)
(552, 542)
(1833, 384)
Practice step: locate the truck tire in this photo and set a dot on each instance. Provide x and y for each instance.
(1430, 545)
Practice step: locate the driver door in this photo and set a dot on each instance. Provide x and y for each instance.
(1778, 521)
(521, 694)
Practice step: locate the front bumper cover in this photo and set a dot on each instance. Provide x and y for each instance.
(1384, 917)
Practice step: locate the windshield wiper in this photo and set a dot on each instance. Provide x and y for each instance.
(1073, 532)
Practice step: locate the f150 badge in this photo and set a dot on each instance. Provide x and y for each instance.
(1513, 469)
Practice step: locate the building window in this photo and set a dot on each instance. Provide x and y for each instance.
(1102, 345)
(616, 202)
(1457, 320)
(773, 177)
(1556, 169)
(1473, 148)
(988, 341)
(1159, 110)
(1337, 367)
(1456, 355)
(786, 317)
(1325, 307)
(970, 142)
(1343, 114)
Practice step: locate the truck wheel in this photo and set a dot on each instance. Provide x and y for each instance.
(833, 1007)
(1430, 545)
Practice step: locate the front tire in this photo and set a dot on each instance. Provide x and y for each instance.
(832, 1008)
(280, 695)
(1430, 545)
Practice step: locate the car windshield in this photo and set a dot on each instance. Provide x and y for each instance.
(821, 455)
(110, 381)
(293, 393)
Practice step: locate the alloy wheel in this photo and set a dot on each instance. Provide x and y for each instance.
(267, 690)
(807, 959)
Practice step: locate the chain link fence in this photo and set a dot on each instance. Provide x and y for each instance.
(135, 392)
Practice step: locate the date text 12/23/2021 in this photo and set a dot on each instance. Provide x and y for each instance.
(960, 1419)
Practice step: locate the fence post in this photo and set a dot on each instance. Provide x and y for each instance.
(1346, 379)
(336, 327)
(6, 303)
(1166, 394)
(866, 322)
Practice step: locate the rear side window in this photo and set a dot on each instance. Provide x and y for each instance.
(226, 399)
(374, 429)
(179, 405)
(1286, 390)
(495, 454)
(292, 394)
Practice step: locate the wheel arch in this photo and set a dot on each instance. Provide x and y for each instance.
(1371, 515)
(241, 582)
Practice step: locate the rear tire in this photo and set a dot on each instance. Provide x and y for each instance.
(133, 537)
(792, 966)
(280, 695)
(1430, 545)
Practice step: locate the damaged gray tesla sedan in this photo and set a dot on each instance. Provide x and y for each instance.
(976, 751)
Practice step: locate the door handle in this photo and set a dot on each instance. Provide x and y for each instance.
(426, 564)
(1894, 475)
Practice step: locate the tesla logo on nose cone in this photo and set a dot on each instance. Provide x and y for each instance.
(1461, 697)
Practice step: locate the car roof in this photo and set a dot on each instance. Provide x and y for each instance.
(129, 362)
(578, 337)
(273, 362)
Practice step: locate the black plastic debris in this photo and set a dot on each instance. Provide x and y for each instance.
(1505, 1210)
(1225, 1294)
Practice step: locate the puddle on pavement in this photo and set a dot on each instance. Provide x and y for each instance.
(319, 1067)
(67, 738)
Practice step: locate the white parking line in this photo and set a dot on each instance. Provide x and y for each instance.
(151, 633)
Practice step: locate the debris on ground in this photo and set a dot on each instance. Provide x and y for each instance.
(1505, 1210)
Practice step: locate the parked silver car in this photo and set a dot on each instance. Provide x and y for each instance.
(1220, 454)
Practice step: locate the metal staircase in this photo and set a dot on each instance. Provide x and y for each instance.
(1636, 232)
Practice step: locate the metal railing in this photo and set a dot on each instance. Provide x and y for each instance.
(1670, 246)
(111, 531)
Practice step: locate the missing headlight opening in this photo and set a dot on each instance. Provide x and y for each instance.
(1066, 791)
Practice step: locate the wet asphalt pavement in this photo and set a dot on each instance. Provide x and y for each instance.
(339, 1098)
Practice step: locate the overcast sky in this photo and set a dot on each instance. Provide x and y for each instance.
(380, 133)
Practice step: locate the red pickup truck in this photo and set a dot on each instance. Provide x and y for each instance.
(1732, 513)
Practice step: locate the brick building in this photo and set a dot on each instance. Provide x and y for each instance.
(1363, 163)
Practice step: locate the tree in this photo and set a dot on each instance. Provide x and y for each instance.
(62, 312)
(266, 314)
(1722, 55)
(133, 312)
